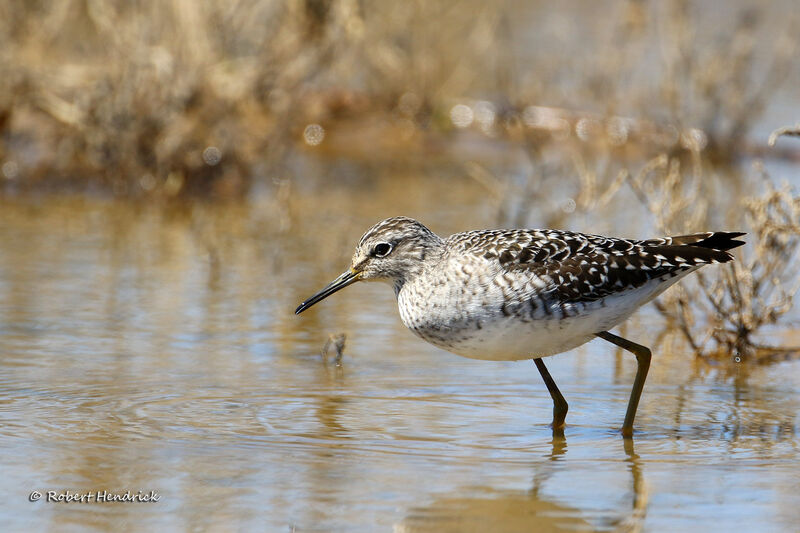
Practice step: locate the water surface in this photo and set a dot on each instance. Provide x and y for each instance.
(155, 352)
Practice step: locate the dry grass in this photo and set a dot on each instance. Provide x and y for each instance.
(177, 97)
(727, 313)
(789, 131)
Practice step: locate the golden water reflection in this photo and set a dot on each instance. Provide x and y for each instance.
(519, 511)
(144, 351)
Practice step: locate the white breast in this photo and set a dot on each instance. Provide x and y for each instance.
(466, 318)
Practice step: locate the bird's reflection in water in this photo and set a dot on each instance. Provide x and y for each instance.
(509, 511)
(633, 522)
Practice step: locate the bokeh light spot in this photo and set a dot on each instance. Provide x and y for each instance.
(409, 104)
(694, 139)
(147, 182)
(485, 113)
(10, 170)
(212, 156)
(461, 115)
(586, 128)
(546, 118)
(617, 130)
(314, 134)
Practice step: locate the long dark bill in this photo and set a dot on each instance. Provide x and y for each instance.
(348, 278)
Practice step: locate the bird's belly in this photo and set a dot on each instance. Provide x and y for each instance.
(485, 333)
(487, 325)
(509, 339)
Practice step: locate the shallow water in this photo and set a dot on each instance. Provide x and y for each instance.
(140, 351)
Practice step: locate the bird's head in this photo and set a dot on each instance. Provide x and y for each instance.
(393, 250)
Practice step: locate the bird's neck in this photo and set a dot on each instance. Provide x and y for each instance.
(424, 257)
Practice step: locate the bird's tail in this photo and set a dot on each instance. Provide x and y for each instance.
(707, 247)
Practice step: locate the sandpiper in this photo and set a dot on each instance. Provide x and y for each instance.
(525, 293)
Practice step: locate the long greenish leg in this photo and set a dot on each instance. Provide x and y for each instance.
(643, 355)
(560, 406)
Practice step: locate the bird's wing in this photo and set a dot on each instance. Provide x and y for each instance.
(583, 267)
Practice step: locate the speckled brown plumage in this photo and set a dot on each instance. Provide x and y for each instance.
(514, 294)
(586, 267)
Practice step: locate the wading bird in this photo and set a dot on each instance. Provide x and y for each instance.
(524, 293)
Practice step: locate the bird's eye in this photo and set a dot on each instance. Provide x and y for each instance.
(382, 249)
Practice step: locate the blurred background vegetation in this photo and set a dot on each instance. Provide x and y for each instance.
(631, 117)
